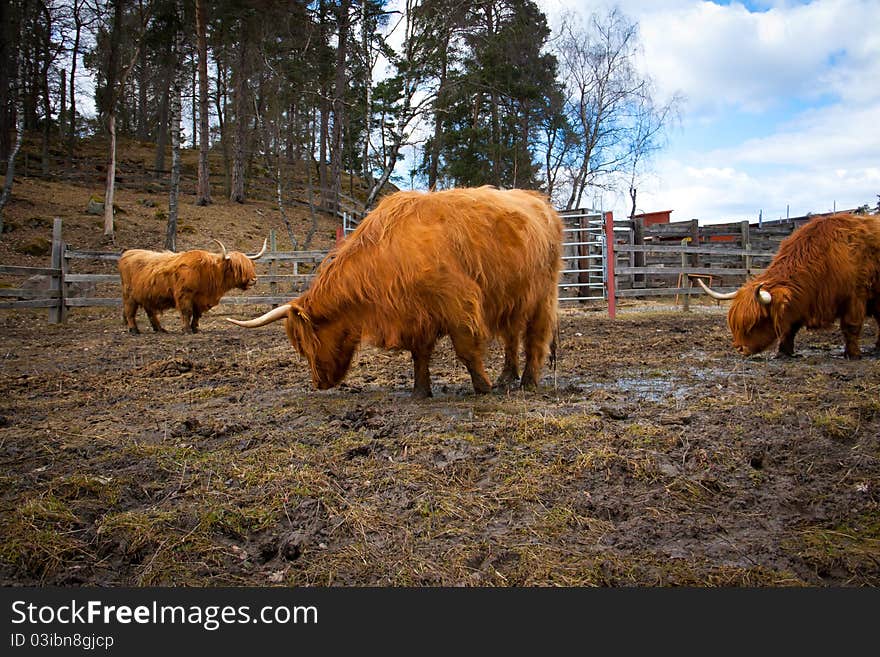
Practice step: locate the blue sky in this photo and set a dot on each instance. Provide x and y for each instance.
(782, 109)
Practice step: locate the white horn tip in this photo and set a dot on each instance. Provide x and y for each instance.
(766, 299)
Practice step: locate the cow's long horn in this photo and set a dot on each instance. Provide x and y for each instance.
(716, 295)
(272, 316)
(262, 251)
(225, 254)
(763, 296)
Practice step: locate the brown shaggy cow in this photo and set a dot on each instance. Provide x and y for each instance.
(192, 281)
(467, 263)
(828, 269)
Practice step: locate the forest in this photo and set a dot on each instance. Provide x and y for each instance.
(428, 93)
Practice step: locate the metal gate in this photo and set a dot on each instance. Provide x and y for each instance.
(584, 266)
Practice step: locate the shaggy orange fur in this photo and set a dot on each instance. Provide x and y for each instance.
(192, 281)
(828, 269)
(469, 263)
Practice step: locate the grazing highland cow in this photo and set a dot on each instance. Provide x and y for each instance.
(467, 263)
(192, 281)
(828, 269)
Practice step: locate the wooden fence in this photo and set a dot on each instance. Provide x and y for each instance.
(664, 259)
(653, 268)
(59, 287)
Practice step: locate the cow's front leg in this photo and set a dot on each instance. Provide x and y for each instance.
(184, 306)
(421, 356)
(469, 349)
(786, 341)
(196, 316)
(510, 371)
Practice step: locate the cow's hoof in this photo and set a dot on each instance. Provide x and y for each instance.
(422, 393)
(134, 331)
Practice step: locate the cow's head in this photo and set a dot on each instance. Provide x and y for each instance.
(328, 345)
(758, 315)
(238, 268)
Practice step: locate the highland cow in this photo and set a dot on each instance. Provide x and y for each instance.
(827, 270)
(192, 281)
(469, 263)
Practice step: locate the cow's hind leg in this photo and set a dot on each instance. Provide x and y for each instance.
(153, 316)
(538, 336)
(129, 312)
(874, 311)
(851, 326)
(510, 371)
(421, 356)
(469, 349)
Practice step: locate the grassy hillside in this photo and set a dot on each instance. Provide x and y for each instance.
(142, 204)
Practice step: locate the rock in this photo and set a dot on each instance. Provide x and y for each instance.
(95, 206)
(614, 412)
(39, 246)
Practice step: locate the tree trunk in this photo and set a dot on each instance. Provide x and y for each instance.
(10, 163)
(221, 102)
(47, 120)
(368, 101)
(203, 196)
(71, 134)
(115, 88)
(439, 107)
(307, 161)
(7, 65)
(340, 86)
(192, 103)
(109, 107)
(162, 129)
(175, 91)
(142, 130)
(238, 147)
(62, 105)
(324, 104)
(110, 186)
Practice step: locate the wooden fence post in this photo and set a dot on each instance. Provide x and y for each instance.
(609, 264)
(638, 258)
(684, 279)
(695, 241)
(745, 242)
(273, 286)
(57, 314)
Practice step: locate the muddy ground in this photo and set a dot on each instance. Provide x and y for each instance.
(652, 456)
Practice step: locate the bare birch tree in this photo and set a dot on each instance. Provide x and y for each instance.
(608, 102)
(115, 86)
(175, 111)
(203, 196)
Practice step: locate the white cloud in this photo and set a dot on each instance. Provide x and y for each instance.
(839, 134)
(726, 56)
